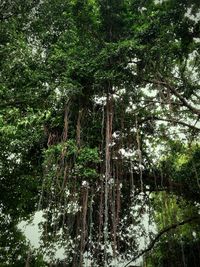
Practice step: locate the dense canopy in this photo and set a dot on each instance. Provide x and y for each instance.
(99, 132)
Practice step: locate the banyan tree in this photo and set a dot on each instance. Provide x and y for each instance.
(99, 132)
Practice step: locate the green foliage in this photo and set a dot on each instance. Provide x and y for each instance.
(180, 242)
(83, 160)
(86, 161)
(60, 60)
(182, 166)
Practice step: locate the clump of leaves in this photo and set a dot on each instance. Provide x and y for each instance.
(87, 160)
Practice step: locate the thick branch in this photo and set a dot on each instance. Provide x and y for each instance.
(178, 95)
(172, 121)
(159, 235)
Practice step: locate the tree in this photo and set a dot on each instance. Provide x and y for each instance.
(96, 96)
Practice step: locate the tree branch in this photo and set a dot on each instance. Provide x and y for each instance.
(178, 95)
(172, 121)
(160, 234)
